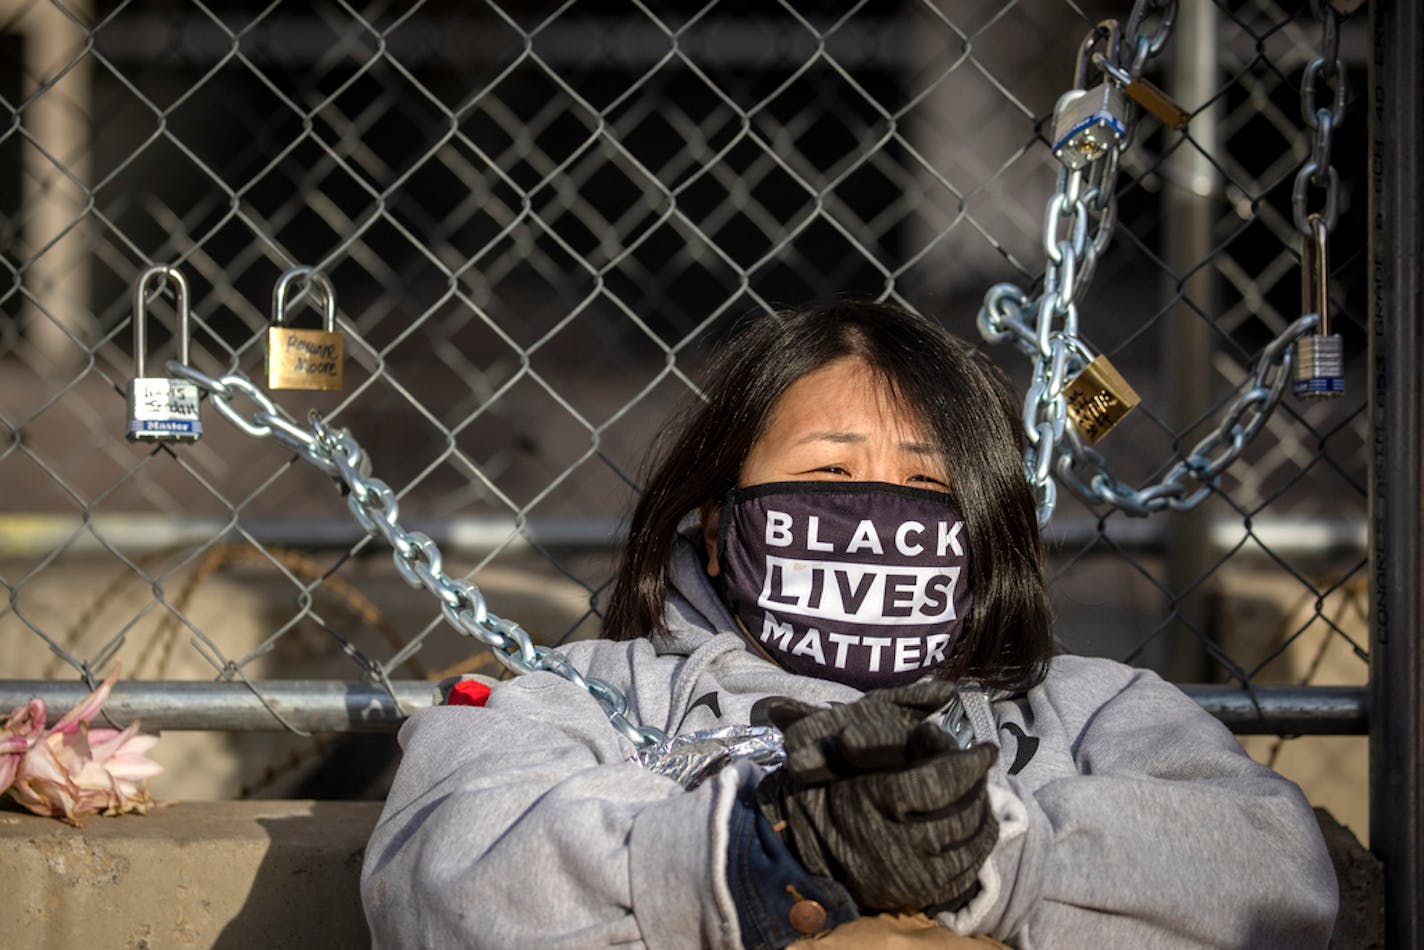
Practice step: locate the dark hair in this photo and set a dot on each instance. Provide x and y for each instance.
(960, 398)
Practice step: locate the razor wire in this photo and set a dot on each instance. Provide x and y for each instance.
(416, 556)
(1077, 227)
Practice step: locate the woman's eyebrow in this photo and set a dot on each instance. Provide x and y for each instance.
(856, 438)
(827, 435)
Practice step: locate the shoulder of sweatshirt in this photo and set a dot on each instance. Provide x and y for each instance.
(1094, 715)
(1078, 687)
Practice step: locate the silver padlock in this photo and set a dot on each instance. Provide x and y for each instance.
(161, 409)
(1319, 356)
(1088, 122)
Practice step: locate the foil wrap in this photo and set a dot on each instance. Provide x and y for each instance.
(692, 758)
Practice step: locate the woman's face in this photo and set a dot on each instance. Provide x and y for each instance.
(837, 424)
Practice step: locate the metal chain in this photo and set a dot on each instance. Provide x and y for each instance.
(417, 558)
(1078, 224)
(1143, 43)
(1086, 472)
(1077, 227)
(1318, 171)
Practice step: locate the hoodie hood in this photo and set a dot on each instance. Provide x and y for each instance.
(695, 612)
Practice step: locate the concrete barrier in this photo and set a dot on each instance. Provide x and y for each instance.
(270, 874)
(280, 874)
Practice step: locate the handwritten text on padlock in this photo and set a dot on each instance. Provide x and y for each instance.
(311, 357)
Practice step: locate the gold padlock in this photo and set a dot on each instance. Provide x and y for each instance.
(304, 359)
(1098, 399)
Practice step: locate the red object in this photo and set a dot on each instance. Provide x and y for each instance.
(468, 693)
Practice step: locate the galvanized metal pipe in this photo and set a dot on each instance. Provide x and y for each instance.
(31, 535)
(308, 705)
(1191, 201)
(1286, 710)
(56, 308)
(1396, 74)
(331, 706)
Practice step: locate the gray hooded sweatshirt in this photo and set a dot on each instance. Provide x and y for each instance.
(1128, 816)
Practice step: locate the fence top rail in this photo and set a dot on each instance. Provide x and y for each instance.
(138, 533)
(332, 706)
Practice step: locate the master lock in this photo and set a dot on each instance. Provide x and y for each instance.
(161, 409)
(1319, 356)
(1090, 121)
(304, 359)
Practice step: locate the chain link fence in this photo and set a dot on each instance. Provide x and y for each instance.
(537, 217)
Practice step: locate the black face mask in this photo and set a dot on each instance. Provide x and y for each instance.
(863, 583)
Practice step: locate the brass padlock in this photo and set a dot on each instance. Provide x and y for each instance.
(1099, 398)
(1146, 94)
(304, 359)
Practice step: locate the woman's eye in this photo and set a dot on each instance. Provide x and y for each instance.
(930, 480)
(833, 470)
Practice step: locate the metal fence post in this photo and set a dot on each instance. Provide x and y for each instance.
(1396, 414)
(1191, 200)
(58, 269)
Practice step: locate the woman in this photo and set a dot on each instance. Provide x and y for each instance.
(845, 512)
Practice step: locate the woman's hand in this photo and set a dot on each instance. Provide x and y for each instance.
(882, 801)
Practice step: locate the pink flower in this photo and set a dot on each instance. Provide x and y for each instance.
(71, 770)
(24, 725)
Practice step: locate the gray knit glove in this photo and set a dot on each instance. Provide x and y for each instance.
(881, 801)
